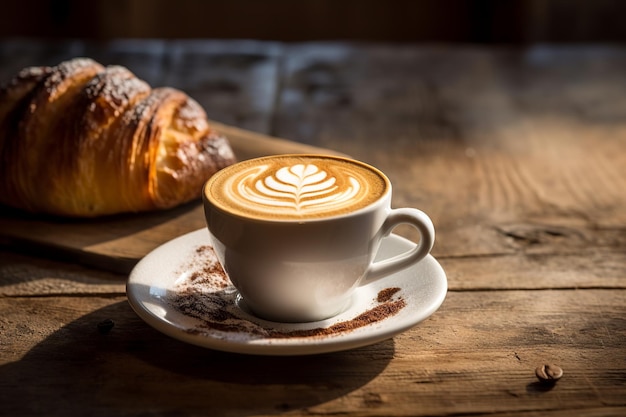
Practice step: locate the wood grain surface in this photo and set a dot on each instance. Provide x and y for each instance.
(519, 157)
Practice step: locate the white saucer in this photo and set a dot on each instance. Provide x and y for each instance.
(179, 289)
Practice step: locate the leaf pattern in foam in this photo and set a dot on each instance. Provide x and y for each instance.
(300, 186)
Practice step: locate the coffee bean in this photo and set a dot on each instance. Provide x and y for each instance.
(549, 374)
(105, 326)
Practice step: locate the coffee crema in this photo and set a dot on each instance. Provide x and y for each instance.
(295, 187)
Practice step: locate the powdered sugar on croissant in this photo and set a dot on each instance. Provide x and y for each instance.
(80, 139)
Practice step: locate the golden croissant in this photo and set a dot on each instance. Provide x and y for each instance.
(83, 140)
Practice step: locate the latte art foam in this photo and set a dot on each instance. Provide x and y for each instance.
(299, 187)
(295, 187)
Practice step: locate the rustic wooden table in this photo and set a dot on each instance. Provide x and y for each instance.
(519, 157)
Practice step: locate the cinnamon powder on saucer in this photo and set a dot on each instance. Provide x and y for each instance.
(204, 291)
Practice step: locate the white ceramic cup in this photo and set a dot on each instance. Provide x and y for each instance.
(305, 268)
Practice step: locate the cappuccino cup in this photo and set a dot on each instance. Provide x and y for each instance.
(297, 234)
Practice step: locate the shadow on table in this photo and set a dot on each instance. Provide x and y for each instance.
(135, 370)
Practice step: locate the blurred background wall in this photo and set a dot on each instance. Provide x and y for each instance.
(473, 21)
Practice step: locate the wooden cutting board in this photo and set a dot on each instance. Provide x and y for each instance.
(117, 243)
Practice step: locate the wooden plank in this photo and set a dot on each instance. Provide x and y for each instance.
(249, 144)
(595, 269)
(22, 276)
(479, 139)
(476, 355)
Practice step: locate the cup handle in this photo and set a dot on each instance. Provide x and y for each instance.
(422, 223)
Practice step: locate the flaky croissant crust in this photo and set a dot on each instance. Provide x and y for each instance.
(80, 139)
